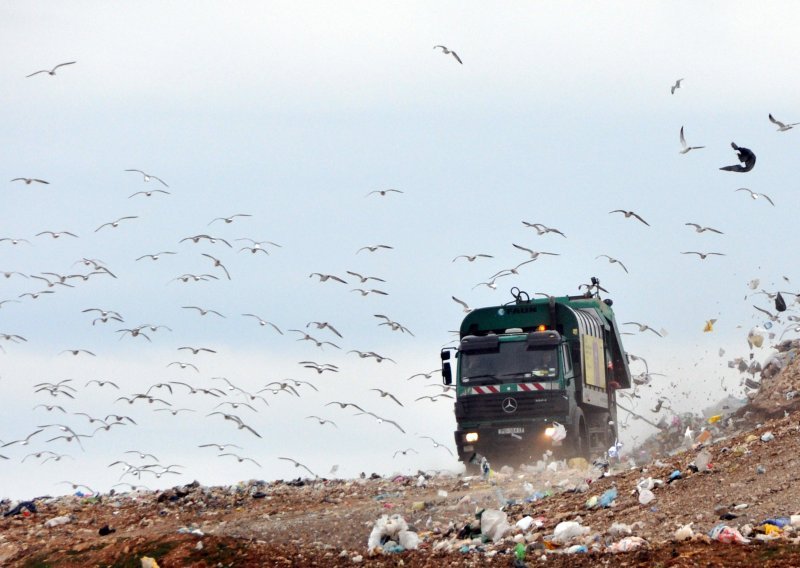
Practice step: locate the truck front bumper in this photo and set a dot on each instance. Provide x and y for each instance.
(520, 442)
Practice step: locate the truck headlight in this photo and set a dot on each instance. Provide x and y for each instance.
(549, 431)
(471, 437)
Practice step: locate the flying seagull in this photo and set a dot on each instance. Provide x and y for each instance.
(240, 458)
(387, 393)
(781, 126)
(542, 229)
(344, 405)
(155, 256)
(383, 192)
(298, 464)
(629, 214)
(405, 452)
(323, 325)
(263, 322)
(231, 218)
(612, 261)
(685, 146)
(703, 255)
(115, 224)
(53, 70)
(677, 85)
(746, 157)
(642, 327)
(326, 277)
(220, 447)
(148, 177)
(370, 291)
(322, 421)
(149, 193)
(363, 278)
(28, 181)
(373, 248)
(436, 444)
(700, 229)
(510, 271)
(448, 52)
(381, 420)
(755, 195)
(472, 258)
(534, 254)
(218, 263)
(467, 309)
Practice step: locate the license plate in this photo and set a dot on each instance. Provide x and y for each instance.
(511, 431)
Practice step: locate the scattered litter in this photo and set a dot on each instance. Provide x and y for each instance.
(56, 521)
(727, 534)
(494, 524)
(387, 532)
(567, 530)
(628, 544)
(607, 498)
(702, 460)
(646, 496)
(685, 532)
(21, 508)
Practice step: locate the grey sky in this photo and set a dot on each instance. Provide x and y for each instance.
(292, 112)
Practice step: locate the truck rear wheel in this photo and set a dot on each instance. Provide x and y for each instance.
(578, 446)
(602, 433)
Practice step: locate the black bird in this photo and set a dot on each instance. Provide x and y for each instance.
(746, 157)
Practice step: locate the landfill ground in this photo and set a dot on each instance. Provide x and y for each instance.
(328, 522)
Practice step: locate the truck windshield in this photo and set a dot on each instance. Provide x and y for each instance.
(510, 362)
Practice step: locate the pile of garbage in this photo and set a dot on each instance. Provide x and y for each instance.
(779, 388)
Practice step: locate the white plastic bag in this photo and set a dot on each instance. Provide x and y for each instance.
(567, 530)
(408, 539)
(560, 432)
(494, 524)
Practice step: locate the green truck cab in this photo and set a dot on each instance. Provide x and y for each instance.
(532, 370)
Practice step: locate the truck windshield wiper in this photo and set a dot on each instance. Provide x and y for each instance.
(485, 376)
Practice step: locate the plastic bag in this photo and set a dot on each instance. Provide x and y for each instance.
(494, 524)
(525, 523)
(628, 544)
(408, 539)
(560, 432)
(646, 496)
(724, 533)
(702, 460)
(607, 498)
(567, 530)
(385, 526)
(684, 533)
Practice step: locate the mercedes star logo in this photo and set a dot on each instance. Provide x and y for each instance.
(509, 405)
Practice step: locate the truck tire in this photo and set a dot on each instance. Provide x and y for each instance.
(605, 433)
(578, 446)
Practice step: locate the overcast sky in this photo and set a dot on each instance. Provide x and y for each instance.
(292, 113)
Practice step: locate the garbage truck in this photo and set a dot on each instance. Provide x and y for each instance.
(535, 375)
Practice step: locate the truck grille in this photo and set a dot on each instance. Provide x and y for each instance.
(528, 405)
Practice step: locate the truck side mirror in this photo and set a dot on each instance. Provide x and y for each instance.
(445, 354)
(447, 374)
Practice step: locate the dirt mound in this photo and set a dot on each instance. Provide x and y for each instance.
(752, 478)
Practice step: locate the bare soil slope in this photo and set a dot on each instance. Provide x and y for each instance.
(328, 522)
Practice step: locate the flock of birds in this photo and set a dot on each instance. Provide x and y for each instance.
(217, 404)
